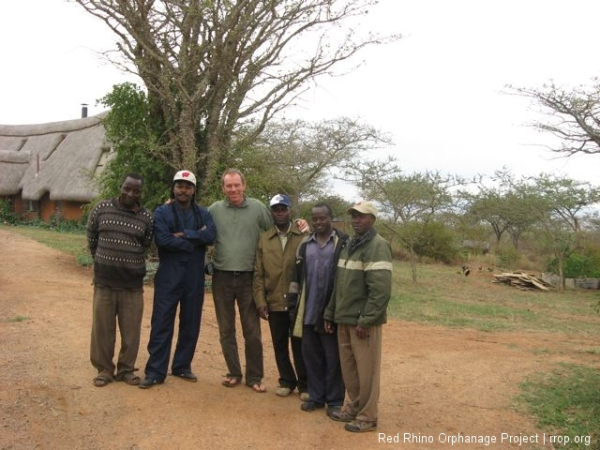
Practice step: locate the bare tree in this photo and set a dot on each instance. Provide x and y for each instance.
(573, 115)
(210, 65)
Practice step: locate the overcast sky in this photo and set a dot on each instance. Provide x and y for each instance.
(437, 91)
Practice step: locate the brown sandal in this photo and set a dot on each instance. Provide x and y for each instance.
(129, 378)
(102, 380)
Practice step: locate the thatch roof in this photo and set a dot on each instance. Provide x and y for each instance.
(58, 158)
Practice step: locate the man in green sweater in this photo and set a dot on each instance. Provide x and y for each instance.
(119, 232)
(240, 220)
(362, 289)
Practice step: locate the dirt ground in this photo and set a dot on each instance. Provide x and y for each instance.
(438, 385)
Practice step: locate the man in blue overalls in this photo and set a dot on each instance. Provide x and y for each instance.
(182, 232)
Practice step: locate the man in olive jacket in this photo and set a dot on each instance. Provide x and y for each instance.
(362, 289)
(273, 271)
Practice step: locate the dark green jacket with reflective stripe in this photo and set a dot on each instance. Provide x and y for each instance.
(363, 283)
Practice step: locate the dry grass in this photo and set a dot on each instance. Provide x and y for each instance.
(443, 295)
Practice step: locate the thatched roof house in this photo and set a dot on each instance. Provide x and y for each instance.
(49, 169)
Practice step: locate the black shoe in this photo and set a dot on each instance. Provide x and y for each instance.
(148, 382)
(340, 416)
(310, 406)
(333, 409)
(358, 426)
(187, 376)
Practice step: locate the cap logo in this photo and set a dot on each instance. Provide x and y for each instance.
(185, 174)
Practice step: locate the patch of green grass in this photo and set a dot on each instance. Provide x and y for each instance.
(17, 319)
(566, 402)
(481, 315)
(84, 259)
(73, 242)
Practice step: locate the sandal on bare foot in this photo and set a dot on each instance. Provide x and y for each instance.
(259, 388)
(231, 382)
(129, 378)
(102, 380)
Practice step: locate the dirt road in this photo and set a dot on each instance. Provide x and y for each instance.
(438, 384)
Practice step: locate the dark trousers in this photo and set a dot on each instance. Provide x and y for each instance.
(279, 324)
(229, 288)
(109, 307)
(322, 360)
(175, 285)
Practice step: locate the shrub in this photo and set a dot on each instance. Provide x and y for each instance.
(6, 213)
(507, 256)
(579, 265)
(435, 241)
(60, 224)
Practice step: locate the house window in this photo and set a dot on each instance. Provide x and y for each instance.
(32, 206)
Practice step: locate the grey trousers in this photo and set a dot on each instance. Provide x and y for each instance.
(112, 306)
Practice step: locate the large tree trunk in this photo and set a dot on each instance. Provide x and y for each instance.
(187, 138)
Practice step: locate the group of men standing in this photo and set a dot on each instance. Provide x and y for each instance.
(321, 292)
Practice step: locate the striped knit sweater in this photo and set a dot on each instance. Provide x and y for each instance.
(118, 239)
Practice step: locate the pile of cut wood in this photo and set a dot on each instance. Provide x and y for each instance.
(522, 281)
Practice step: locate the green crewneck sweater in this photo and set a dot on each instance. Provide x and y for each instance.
(238, 231)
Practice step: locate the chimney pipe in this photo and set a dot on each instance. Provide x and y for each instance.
(84, 111)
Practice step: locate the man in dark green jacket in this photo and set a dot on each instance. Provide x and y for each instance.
(362, 289)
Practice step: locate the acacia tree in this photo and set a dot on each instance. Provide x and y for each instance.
(409, 203)
(210, 65)
(573, 115)
(302, 155)
(560, 206)
(338, 205)
(502, 205)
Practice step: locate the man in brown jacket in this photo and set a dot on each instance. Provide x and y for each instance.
(273, 272)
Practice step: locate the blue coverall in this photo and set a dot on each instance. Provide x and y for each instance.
(179, 280)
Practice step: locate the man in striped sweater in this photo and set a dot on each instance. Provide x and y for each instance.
(119, 232)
